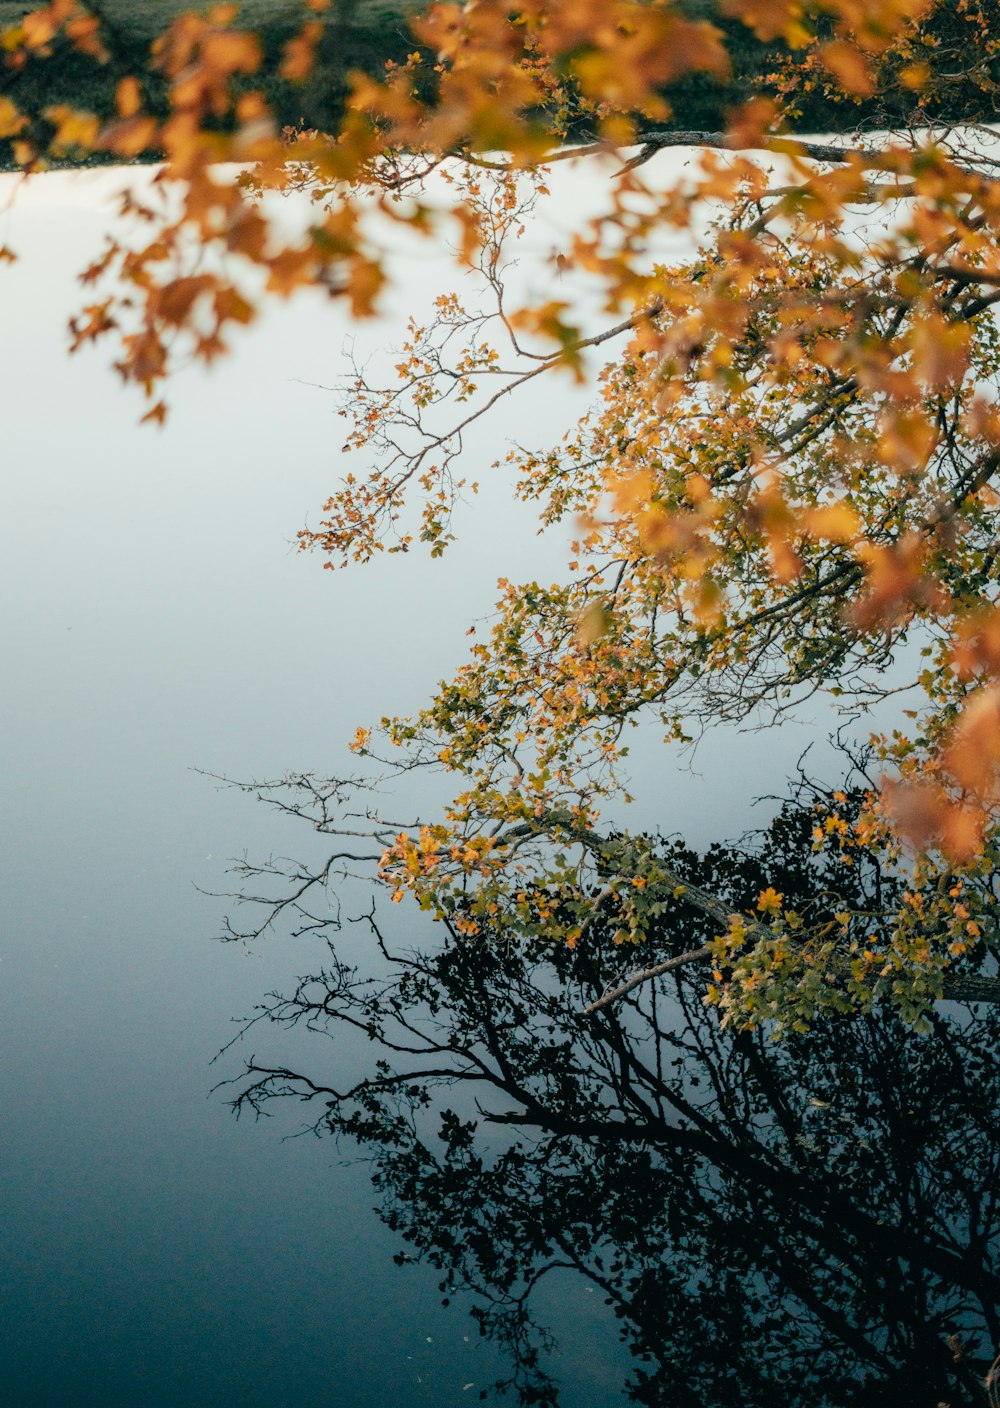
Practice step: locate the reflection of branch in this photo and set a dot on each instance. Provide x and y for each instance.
(640, 1152)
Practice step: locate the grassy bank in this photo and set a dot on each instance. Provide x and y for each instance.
(359, 35)
(148, 17)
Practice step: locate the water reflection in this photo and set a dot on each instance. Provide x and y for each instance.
(812, 1222)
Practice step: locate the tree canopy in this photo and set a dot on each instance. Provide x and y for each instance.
(785, 478)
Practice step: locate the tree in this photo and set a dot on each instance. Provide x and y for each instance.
(810, 1221)
(786, 476)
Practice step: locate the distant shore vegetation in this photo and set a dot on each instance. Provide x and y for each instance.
(365, 35)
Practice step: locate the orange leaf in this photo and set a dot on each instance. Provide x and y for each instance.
(231, 53)
(973, 754)
(128, 97)
(770, 19)
(130, 137)
(849, 66)
(926, 816)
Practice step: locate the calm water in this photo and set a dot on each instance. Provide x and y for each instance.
(155, 1250)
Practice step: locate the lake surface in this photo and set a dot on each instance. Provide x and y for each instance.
(157, 620)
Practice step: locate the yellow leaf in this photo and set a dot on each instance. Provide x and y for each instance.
(593, 622)
(11, 121)
(836, 523)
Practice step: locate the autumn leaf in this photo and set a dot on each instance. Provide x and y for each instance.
(594, 622)
(849, 65)
(836, 522)
(11, 121)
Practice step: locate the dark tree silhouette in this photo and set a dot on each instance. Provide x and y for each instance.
(810, 1222)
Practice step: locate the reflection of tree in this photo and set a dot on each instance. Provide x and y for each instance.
(807, 1222)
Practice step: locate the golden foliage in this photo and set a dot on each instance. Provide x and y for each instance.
(788, 469)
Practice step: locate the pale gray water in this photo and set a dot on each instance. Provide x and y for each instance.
(155, 620)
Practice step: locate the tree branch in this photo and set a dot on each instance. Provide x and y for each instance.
(693, 955)
(652, 142)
